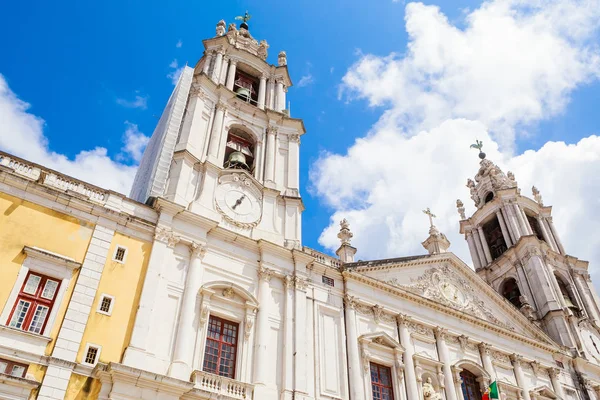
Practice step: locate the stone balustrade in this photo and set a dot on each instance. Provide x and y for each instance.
(323, 258)
(225, 388)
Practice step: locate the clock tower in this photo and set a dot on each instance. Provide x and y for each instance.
(226, 147)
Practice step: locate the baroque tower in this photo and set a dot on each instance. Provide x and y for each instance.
(516, 249)
(226, 147)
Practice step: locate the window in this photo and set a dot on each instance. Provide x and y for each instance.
(120, 254)
(494, 238)
(470, 386)
(239, 151)
(535, 227)
(34, 303)
(328, 281)
(246, 86)
(566, 295)
(92, 353)
(13, 368)
(510, 291)
(381, 382)
(105, 305)
(221, 347)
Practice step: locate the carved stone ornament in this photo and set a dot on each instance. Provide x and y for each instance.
(282, 58)
(535, 366)
(429, 392)
(501, 357)
(204, 314)
(220, 28)
(300, 283)
(489, 178)
(196, 91)
(265, 274)
(262, 49)
(272, 130)
(197, 250)
(350, 301)
(294, 137)
(537, 196)
(420, 329)
(228, 293)
(288, 281)
(166, 236)
(460, 207)
(377, 313)
(248, 324)
(366, 356)
(444, 285)
(464, 342)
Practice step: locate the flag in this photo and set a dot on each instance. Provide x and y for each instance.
(491, 392)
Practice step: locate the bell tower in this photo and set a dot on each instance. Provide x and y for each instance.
(515, 248)
(226, 147)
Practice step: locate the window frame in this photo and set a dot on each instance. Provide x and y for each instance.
(85, 353)
(35, 301)
(221, 342)
(114, 256)
(100, 301)
(12, 364)
(379, 385)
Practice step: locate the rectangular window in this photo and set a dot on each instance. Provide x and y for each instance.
(106, 304)
(328, 281)
(13, 368)
(34, 303)
(221, 347)
(91, 354)
(381, 382)
(120, 254)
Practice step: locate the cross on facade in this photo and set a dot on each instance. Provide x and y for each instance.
(430, 215)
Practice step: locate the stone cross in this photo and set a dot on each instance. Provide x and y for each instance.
(430, 215)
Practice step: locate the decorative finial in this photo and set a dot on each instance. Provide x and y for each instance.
(282, 58)
(537, 196)
(245, 18)
(460, 207)
(430, 214)
(479, 145)
(221, 28)
(345, 235)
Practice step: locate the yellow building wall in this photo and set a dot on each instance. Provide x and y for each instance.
(123, 282)
(82, 388)
(23, 223)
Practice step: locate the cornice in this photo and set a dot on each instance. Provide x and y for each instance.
(45, 255)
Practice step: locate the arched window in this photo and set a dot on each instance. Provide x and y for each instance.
(566, 295)
(510, 291)
(470, 386)
(535, 227)
(489, 197)
(239, 152)
(494, 238)
(246, 84)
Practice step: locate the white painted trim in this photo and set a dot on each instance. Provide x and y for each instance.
(84, 355)
(114, 256)
(112, 304)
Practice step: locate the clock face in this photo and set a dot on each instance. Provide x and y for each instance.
(453, 294)
(238, 203)
(591, 340)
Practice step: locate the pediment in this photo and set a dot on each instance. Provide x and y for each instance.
(543, 392)
(451, 283)
(382, 339)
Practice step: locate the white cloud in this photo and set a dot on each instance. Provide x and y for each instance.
(138, 102)
(22, 134)
(305, 80)
(175, 72)
(135, 141)
(513, 65)
(179, 44)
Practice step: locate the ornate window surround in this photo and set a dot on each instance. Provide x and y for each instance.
(380, 348)
(47, 263)
(231, 302)
(483, 377)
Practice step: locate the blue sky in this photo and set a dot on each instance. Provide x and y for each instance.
(92, 71)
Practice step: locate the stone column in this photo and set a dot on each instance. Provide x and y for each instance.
(280, 97)
(484, 244)
(293, 161)
(473, 250)
(525, 228)
(262, 91)
(444, 356)
(207, 62)
(262, 325)
(288, 332)
(553, 230)
(223, 73)
(231, 74)
(354, 374)
(183, 353)
(521, 381)
(412, 390)
(484, 350)
(458, 384)
(505, 233)
(512, 220)
(556, 385)
(547, 238)
(258, 160)
(585, 295)
(217, 68)
(300, 285)
(270, 156)
(479, 248)
(509, 228)
(215, 135)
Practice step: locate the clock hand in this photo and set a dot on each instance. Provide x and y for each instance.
(238, 202)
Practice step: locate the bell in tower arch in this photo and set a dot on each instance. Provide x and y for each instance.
(237, 160)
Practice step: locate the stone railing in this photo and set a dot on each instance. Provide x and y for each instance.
(53, 179)
(323, 258)
(223, 387)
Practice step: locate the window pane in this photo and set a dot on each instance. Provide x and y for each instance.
(18, 370)
(49, 289)
(38, 319)
(3, 366)
(32, 284)
(19, 315)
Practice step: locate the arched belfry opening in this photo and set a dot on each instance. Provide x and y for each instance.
(567, 295)
(510, 291)
(494, 237)
(535, 227)
(240, 150)
(246, 84)
(489, 197)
